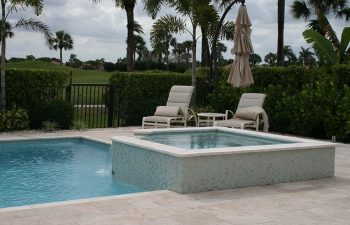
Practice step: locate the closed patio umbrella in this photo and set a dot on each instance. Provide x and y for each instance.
(240, 74)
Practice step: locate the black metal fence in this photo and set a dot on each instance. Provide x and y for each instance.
(93, 103)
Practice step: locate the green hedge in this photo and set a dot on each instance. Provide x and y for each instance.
(141, 93)
(32, 89)
(58, 111)
(26, 88)
(299, 101)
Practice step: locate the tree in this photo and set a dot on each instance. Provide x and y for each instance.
(62, 41)
(317, 11)
(306, 57)
(271, 59)
(221, 48)
(74, 61)
(8, 30)
(7, 8)
(188, 48)
(191, 10)
(30, 57)
(255, 59)
(324, 48)
(128, 6)
(140, 47)
(289, 56)
(281, 4)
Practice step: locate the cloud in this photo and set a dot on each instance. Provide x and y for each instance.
(99, 29)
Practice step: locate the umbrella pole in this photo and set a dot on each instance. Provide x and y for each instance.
(214, 72)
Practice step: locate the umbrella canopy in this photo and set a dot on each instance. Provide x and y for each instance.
(241, 75)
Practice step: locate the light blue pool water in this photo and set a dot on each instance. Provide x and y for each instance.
(42, 171)
(209, 139)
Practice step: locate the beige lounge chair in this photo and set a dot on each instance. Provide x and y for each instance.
(176, 110)
(249, 113)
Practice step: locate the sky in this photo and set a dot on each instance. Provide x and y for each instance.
(99, 29)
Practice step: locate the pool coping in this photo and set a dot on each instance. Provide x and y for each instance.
(56, 138)
(301, 144)
(79, 201)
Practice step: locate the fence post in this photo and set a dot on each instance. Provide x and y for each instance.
(69, 88)
(111, 106)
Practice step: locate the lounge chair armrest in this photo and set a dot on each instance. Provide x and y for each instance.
(189, 112)
(227, 113)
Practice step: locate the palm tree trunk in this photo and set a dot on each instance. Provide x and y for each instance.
(61, 58)
(130, 39)
(187, 61)
(3, 58)
(280, 39)
(194, 63)
(205, 50)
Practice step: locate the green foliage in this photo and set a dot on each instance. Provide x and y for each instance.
(14, 119)
(299, 101)
(321, 45)
(79, 76)
(324, 48)
(49, 126)
(79, 125)
(58, 111)
(26, 88)
(141, 93)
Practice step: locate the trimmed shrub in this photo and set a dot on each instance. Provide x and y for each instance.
(58, 111)
(141, 93)
(25, 88)
(299, 101)
(14, 119)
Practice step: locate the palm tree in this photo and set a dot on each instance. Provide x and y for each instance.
(281, 4)
(139, 42)
(128, 6)
(271, 59)
(8, 30)
(306, 57)
(7, 8)
(289, 55)
(140, 47)
(316, 13)
(188, 47)
(62, 41)
(255, 59)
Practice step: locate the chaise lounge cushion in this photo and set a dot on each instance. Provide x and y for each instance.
(169, 111)
(249, 113)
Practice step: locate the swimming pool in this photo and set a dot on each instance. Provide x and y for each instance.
(51, 170)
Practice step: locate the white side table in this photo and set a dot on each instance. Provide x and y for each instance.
(209, 118)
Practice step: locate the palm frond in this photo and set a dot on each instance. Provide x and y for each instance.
(344, 43)
(16, 5)
(300, 9)
(322, 47)
(138, 28)
(34, 25)
(228, 30)
(152, 7)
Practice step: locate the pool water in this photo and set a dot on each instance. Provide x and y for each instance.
(42, 171)
(209, 139)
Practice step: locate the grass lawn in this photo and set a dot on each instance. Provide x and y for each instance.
(79, 76)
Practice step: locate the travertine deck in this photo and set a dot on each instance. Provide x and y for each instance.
(325, 201)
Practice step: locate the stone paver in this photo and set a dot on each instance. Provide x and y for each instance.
(325, 201)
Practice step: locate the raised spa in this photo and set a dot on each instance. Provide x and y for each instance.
(201, 159)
